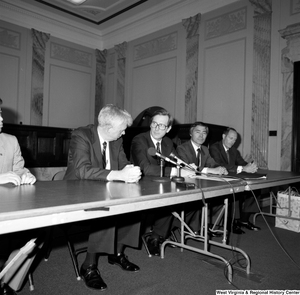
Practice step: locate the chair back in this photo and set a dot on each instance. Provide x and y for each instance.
(59, 175)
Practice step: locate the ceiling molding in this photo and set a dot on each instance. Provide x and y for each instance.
(148, 20)
(29, 17)
(155, 19)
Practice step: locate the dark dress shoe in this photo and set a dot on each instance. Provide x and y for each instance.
(153, 245)
(237, 230)
(249, 225)
(7, 290)
(92, 278)
(122, 261)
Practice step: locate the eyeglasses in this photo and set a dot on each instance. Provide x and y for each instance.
(160, 126)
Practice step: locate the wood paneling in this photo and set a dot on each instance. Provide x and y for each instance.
(42, 146)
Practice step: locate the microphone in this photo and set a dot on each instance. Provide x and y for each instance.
(182, 162)
(152, 152)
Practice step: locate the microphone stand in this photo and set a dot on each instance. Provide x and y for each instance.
(162, 167)
(161, 178)
(178, 178)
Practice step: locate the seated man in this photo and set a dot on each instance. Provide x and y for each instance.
(227, 155)
(196, 154)
(96, 153)
(161, 124)
(12, 170)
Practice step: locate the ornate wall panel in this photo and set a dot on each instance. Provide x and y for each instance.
(71, 55)
(226, 24)
(155, 46)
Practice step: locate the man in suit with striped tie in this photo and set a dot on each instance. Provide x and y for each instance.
(96, 153)
(225, 153)
(195, 153)
(151, 165)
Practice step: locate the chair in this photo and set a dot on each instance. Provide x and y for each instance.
(65, 228)
(17, 261)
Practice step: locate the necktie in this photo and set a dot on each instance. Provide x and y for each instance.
(198, 157)
(158, 150)
(104, 153)
(227, 154)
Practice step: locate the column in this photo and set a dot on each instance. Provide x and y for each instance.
(289, 55)
(39, 40)
(191, 81)
(261, 81)
(121, 63)
(100, 81)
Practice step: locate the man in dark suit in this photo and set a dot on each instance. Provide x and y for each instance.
(194, 153)
(161, 124)
(96, 153)
(225, 153)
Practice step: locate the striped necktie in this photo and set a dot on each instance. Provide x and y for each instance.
(104, 154)
(158, 150)
(198, 163)
(227, 154)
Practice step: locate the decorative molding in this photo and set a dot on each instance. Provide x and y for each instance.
(121, 49)
(93, 12)
(23, 14)
(9, 38)
(226, 24)
(144, 23)
(191, 25)
(71, 55)
(295, 7)
(156, 46)
(261, 6)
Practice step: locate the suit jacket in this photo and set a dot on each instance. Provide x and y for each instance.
(187, 153)
(85, 157)
(148, 164)
(217, 151)
(10, 155)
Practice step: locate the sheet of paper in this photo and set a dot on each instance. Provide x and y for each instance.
(215, 178)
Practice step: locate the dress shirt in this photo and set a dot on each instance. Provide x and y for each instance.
(155, 143)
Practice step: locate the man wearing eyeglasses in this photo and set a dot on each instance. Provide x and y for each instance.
(161, 124)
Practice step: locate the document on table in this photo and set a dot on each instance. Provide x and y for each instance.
(214, 177)
(231, 176)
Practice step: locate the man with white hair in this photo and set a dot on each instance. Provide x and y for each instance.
(96, 153)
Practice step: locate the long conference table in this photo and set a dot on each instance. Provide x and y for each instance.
(58, 202)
